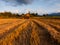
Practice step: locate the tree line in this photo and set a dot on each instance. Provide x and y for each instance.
(16, 15)
(9, 15)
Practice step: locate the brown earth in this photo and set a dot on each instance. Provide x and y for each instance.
(29, 31)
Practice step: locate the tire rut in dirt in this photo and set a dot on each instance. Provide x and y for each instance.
(55, 35)
(10, 31)
(55, 27)
(24, 36)
(14, 37)
(4, 25)
(43, 34)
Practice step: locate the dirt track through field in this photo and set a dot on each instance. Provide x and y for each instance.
(29, 32)
(11, 30)
(43, 34)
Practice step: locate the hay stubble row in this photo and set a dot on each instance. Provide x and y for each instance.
(29, 32)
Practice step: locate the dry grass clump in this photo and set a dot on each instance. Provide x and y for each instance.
(11, 38)
(30, 32)
(55, 34)
(8, 24)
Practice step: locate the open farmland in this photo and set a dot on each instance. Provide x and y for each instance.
(35, 31)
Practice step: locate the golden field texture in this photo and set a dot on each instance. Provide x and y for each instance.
(30, 31)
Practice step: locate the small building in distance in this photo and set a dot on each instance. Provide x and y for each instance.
(27, 15)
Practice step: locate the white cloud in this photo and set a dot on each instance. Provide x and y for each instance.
(58, 10)
(41, 11)
(58, 4)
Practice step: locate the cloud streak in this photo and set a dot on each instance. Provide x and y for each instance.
(19, 2)
(26, 2)
(47, 6)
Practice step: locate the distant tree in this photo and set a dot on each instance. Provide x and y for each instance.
(44, 15)
(17, 15)
(36, 13)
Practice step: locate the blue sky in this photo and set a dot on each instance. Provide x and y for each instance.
(23, 6)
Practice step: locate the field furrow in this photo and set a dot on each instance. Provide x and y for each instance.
(40, 35)
(55, 34)
(57, 27)
(11, 29)
(12, 38)
(10, 26)
(29, 32)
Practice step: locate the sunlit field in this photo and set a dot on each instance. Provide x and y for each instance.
(29, 22)
(33, 31)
